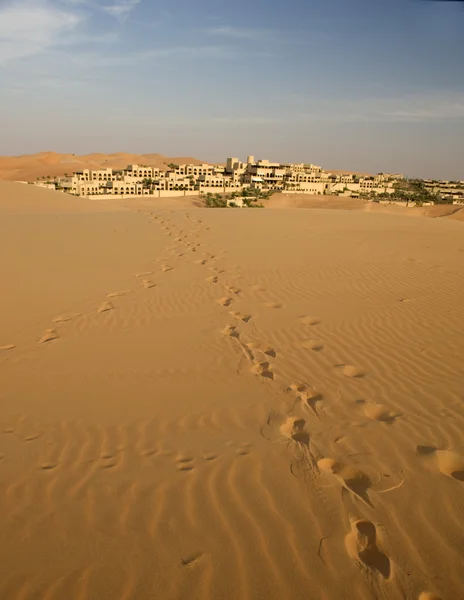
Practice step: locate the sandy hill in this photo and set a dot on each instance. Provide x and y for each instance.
(21, 198)
(32, 166)
(280, 201)
(314, 201)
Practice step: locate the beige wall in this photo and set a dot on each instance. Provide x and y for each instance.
(49, 186)
(158, 194)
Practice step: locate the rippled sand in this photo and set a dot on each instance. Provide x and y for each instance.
(230, 404)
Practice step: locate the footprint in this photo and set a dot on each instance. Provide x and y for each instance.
(144, 274)
(149, 452)
(307, 320)
(147, 284)
(48, 466)
(191, 561)
(425, 450)
(230, 330)
(351, 478)
(240, 316)
(361, 545)
(105, 307)
(451, 464)
(308, 396)
(166, 268)
(298, 387)
(273, 305)
(242, 452)
(352, 371)
(48, 336)
(233, 290)
(201, 262)
(7, 347)
(65, 318)
(224, 301)
(263, 369)
(269, 350)
(185, 464)
(379, 412)
(118, 294)
(316, 345)
(210, 457)
(33, 437)
(295, 430)
(357, 482)
(109, 464)
(212, 279)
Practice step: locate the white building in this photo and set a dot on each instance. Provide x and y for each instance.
(138, 180)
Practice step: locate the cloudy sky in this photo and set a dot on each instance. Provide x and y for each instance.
(355, 84)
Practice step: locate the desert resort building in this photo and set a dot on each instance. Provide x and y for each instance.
(235, 175)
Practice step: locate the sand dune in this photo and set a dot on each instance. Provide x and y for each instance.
(20, 198)
(279, 415)
(280, 200)
(44, 164)
(455, 212)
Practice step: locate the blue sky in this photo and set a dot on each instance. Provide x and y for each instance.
(356, 84)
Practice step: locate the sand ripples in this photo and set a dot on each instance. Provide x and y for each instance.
(268, 431)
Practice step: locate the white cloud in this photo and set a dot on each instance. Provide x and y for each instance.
(120, 9)
(28, 27)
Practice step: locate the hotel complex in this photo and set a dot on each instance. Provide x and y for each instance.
(190, 179)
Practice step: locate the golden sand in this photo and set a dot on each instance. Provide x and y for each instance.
(287, 425)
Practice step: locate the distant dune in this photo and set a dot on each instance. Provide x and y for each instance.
(280, 201)
(314, 201)
(31, 166)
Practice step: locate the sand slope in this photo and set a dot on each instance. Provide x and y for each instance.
(280, 200)
(53, 164)
(21, 198)
(454, 212)
(230, 404)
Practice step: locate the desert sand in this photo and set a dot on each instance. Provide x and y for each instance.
(232, 404)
